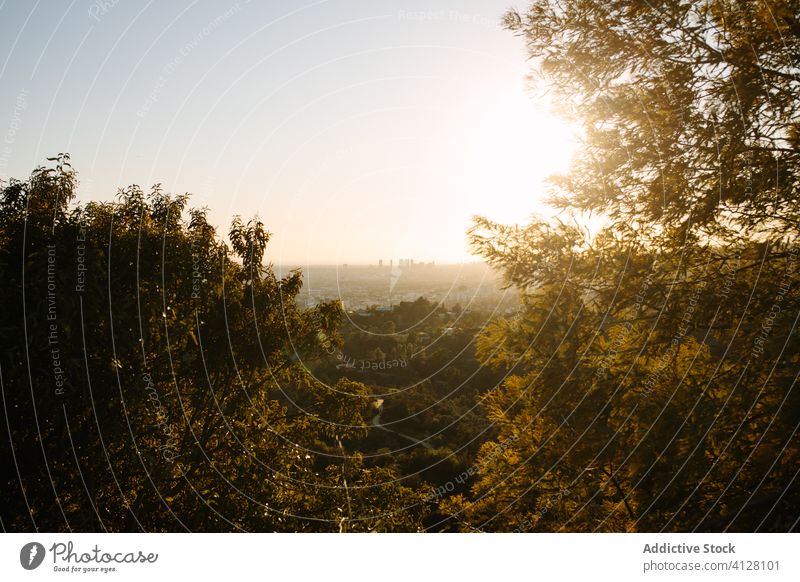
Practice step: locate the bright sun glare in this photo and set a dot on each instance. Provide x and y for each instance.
(518, 142)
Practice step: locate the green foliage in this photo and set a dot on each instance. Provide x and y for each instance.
(655, 363)
(152, 378)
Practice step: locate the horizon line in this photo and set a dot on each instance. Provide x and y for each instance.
(375, 264)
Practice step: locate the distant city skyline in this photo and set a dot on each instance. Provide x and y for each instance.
(387, 264)
(356, 130)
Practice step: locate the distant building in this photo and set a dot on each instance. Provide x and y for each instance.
(380, 262)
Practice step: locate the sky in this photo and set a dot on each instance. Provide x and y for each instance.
(356, 130)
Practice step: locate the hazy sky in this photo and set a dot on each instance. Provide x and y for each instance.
(357, 130)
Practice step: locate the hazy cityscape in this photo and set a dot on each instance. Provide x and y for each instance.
(384, 284)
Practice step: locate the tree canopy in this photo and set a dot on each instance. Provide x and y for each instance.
(656, 360)
(153, 379)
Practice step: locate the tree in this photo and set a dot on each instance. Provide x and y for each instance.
(655, 362)
(153, 377)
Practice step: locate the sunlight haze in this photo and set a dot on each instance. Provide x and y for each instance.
(387, 122)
